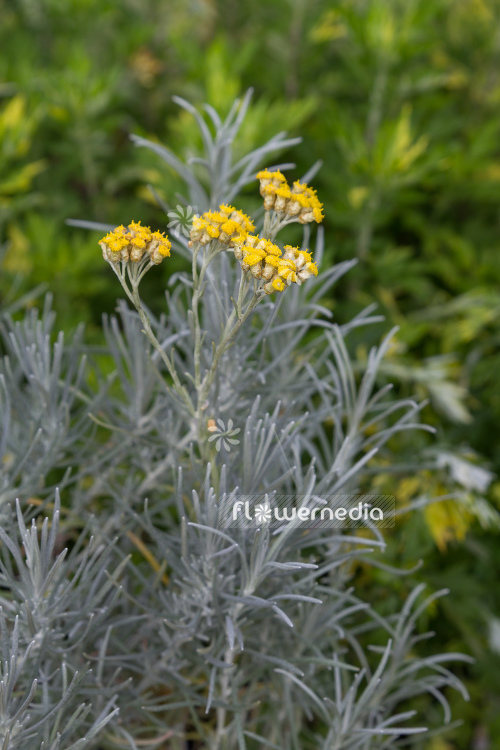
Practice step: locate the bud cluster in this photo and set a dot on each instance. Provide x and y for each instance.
(266, 261)
(231, 227)
(299, 202)
(225, 225)
(133, 243)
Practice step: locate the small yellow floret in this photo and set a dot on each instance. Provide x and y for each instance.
(283, 190)
(278, 284)
(230, 226)
(215, 216)
(198, 223)
(138, 242)
(252, 258)
(135, 226)
(214, 232)
(243, 220)
(313, 268)
(265, 174)
(273, 249)
(272, 260)
(164, 248)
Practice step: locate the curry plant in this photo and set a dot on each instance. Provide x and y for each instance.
(133, 614)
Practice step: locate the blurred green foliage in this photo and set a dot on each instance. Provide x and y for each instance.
(400, 99)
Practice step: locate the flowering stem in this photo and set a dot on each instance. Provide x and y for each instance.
(197, 294)
(221, 729)
(135, 274)
(226, 341)
(229, 655)
(130, 276)
(198, 291)
(235, 321)
(274, 222)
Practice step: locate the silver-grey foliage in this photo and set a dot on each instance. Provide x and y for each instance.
(56, 604)
(200, 637)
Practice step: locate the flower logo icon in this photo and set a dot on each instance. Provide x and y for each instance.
(181, 220)
(224, 436)
(263, 513)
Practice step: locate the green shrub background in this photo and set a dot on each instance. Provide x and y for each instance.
(400, 99)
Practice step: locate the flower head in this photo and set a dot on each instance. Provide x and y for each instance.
(133, 243)
(226, 225)
(299, 203)
(304, 204)
(266, 261)
(274, 189)
(294, 267)
(257, 255)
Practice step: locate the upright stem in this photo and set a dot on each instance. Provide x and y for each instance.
(197, 295)
(220, 742)
(234, 322)
(274, 222)
(135, 276)
(226, 341)
(233, 325)
(198, 291)
(221, 735)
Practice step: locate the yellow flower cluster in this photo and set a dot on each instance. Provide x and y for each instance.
(133, 243)
(300, 201)
(225, 225)
(265, 261)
